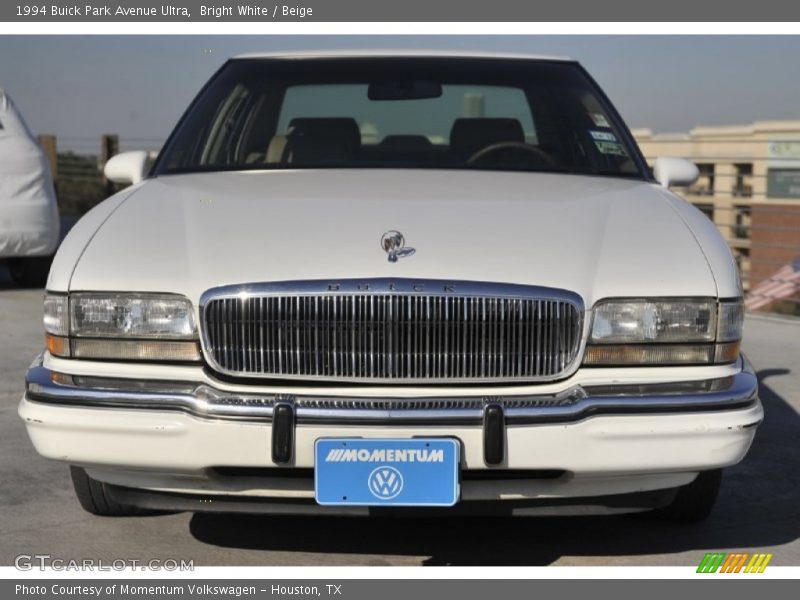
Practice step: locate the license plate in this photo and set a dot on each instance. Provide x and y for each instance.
(386, 472)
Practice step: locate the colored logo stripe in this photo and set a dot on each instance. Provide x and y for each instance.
(758, 563)
(733, 563)
(711, 562)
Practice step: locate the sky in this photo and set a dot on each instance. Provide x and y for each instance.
(79, 87)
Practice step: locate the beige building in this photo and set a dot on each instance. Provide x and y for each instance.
(749, 186)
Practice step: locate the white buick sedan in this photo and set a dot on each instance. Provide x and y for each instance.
(395, 282)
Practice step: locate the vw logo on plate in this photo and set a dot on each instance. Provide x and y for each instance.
(385, 482)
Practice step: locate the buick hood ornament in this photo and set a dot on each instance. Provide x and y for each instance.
(394, 244)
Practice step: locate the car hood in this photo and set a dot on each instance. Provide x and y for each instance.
(596, 236)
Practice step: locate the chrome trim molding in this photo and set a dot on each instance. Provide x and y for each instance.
(726, 393)
(392, 330)
(388, 285)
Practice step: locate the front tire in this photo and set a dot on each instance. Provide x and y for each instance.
(94, 497)
(694, 502)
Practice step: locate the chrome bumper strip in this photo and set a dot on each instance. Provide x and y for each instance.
(727, 393)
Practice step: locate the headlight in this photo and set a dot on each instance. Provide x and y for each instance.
(665, 332)
(131, 316)
(56, 315)
(623, 322)
(731, 319)
(121, 327)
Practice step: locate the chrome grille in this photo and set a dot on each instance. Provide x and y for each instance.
(391, 336)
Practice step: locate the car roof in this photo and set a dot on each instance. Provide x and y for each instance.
(381, 53)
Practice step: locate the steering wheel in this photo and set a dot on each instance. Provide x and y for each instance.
(522, 146)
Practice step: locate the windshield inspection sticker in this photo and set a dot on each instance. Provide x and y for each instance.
(610, 148)
(605, 136)
(599, 120)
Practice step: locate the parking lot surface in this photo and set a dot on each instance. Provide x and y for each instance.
(757, 509)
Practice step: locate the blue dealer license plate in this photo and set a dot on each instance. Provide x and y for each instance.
(386, 472)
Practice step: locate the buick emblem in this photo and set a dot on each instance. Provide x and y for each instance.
(394, 244)
(385, 482)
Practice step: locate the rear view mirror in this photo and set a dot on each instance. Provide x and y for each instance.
(675, 171)
(404, 90)
(128, 167)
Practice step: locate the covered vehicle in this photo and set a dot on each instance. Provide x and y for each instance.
(29, 222)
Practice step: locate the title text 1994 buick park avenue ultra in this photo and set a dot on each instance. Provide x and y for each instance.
(357, 282)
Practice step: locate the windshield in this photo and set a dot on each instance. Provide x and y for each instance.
(401, 113)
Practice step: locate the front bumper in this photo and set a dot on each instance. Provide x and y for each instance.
(586, 441)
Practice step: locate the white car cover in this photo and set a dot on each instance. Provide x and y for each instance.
(29, 222)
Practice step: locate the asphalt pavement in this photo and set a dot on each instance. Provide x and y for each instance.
(758, 509)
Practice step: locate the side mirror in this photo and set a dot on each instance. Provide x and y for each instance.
(675, 171)
(128, 167)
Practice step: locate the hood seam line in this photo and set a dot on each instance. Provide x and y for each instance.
(94, 234)
(668, 200)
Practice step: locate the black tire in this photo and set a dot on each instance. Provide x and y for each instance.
(30, 271)
(694, 502)
(94, 498)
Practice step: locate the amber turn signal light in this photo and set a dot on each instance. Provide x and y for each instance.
(57, 345)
